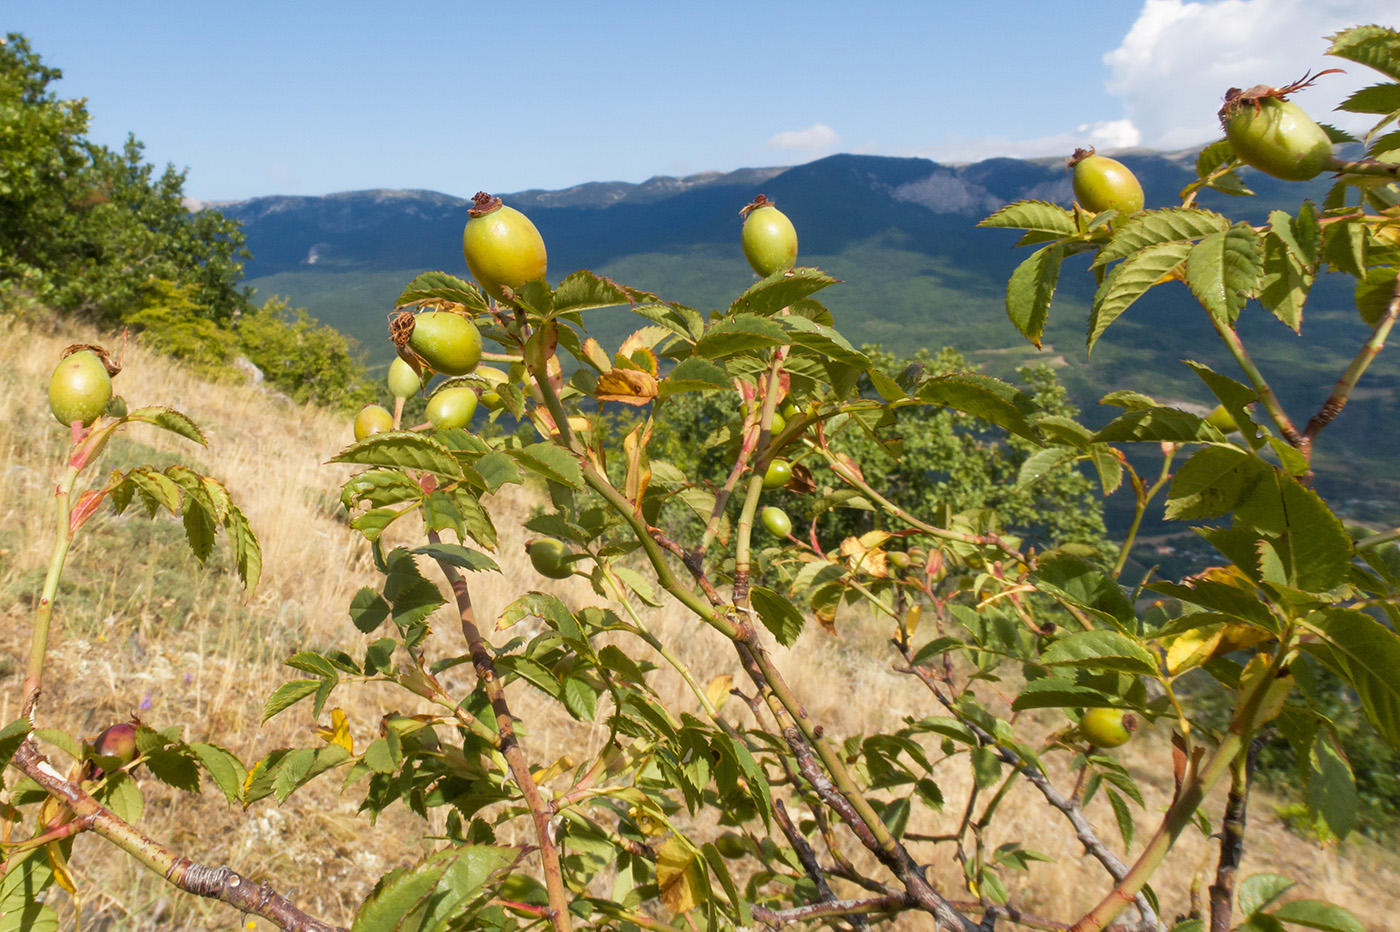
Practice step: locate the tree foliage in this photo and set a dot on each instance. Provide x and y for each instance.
(85, 227)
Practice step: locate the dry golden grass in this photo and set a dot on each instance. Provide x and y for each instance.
(142, 627)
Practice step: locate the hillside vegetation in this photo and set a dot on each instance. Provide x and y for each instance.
(142, 629)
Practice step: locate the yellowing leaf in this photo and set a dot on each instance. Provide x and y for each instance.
(1193, 648)
(339, 732)
(593, 351)
(628, 386)
(718, 690)
(866, 558)
(542, 777)
(910, 624)
(679, 875)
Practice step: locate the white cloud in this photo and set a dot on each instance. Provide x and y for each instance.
(1179, 58)
(817, 139)
(1106, 137)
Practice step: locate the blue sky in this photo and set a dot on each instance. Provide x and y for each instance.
(259, 98)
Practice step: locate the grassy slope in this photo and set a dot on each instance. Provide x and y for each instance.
(140, 623)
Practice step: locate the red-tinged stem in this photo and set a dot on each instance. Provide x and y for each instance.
(540, 812)
(1342, 391)
(217, 883)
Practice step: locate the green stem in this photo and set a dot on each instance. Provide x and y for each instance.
(657, 557)
(1266, 394)
(744, 530)
(1143, 499)
(850, 476)
(655, 643)
(1361, 167)
(43, 615)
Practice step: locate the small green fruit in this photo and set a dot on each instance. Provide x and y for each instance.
(769, 238)
(501, 246)
(776, 521)
(372, 419)
(1101, 183)
(447, 342)
(731, 845)
(1274, 135)
(778, 475)
(1107, 728)
(79, 388)
(547, 556)
(403, 381)
(451, 407)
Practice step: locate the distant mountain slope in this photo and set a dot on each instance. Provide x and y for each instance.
(900, 232)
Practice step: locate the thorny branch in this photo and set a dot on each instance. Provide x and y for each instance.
(1084, 830)
(216, 883)
(540, 812)
(1222, 892)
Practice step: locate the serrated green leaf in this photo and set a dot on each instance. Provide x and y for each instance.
(1033, 215)
(1366, 655)
(1123, 816)
(983, 396)
(437, 289)
(223, 767)
(287, 695)
(61, 740)
(402, 448)
(368, 609)
(1316, 914)
(1081, 583)
(1129, 281)
(247, 554)
(1042, 462)
(813, 339)
(1374, 293)
(1172, 225)
(1101, 650)
(123, 797)
(584, 291)
(695, 374)
(1223, 271)
(553, 463)
(742, 335)
(1030, 290)
(171, 420)
(1259, 890)
(173, 766)
(779, 290)
(778, 615)
(1212, 482)
(580, 699)
(378, 488)
(1309, 538)
(1331, 786)
(473, 561)
(1374, 46)
(1285, 283)
(1158, 425)
(1344, 246)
